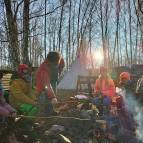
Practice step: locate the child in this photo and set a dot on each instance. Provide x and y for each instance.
(5, 109)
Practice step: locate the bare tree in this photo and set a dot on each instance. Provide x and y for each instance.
(12, 34)
(25, 47)
(103, 23)
(78, 22)
(60, 28)
(131, 50)
(69, 36)
(104, 28)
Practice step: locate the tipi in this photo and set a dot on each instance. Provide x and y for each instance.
(78, 67)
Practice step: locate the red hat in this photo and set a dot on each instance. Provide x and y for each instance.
(125, 75)
(23, 68)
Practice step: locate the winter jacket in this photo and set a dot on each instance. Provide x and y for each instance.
(21, 93)
(106, 89)
(43, 80)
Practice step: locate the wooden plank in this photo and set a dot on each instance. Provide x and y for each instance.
(6, 80)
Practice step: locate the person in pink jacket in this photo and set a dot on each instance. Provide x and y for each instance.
(5, 109)
(104, 84)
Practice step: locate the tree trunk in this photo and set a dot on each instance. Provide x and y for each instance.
(78, 35)
(84, 17)
(129, 8)
(126, 40)
(140, 9)
(60, 28)
(117, 42)
(54, 35)
(73, 33)
(102, 30)
(25, 46)
(136, 46)
(12, 34)
(90, 43)
(106, 62)
(69, 36)
(45, 30)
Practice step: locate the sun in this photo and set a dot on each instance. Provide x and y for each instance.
(98, 56)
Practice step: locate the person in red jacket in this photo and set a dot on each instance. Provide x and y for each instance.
(46, 95)
(104, 84)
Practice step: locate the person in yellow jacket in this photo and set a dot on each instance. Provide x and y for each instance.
(22, 97)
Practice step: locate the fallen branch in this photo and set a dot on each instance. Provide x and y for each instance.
(51, 117)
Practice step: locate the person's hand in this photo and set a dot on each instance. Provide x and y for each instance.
(54, 100)
(35, 103)
(97, 93)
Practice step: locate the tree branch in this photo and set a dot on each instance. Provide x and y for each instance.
(140, 6)
(17, 9)
(33, 1)
(46, 13)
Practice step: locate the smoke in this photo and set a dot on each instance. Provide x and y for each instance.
(135, 108)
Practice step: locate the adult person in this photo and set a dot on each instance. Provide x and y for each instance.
(127, 101)
(22, 97)
(104, 84)
(104, 90)
(46, 94)
(126, 82)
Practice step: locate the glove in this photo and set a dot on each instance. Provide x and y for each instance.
(54, 100)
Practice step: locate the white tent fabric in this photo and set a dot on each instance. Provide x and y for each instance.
(69, 81)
